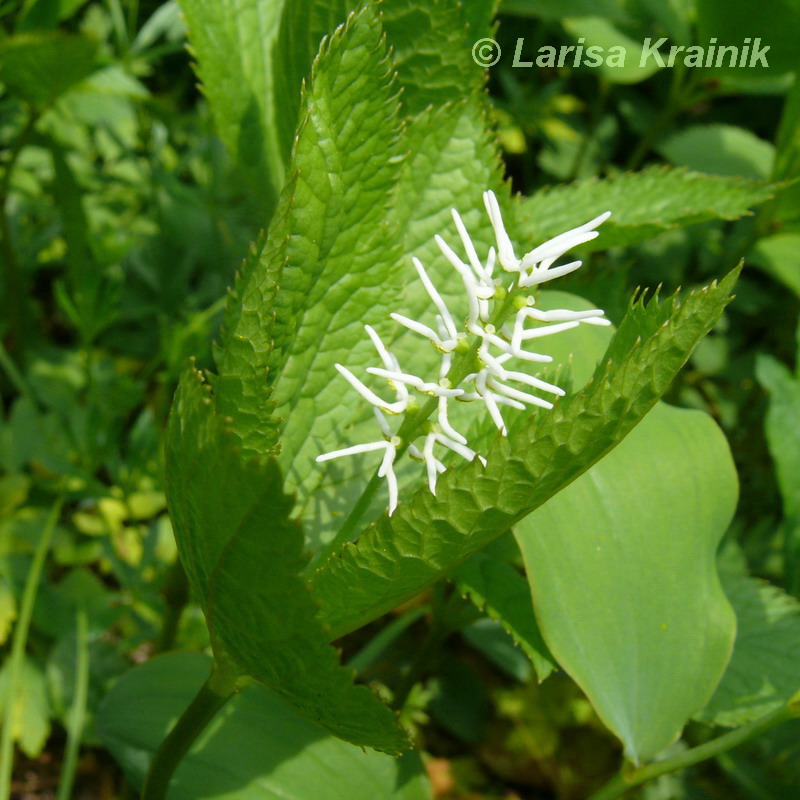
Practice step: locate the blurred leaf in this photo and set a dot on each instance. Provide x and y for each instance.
(787, 156)
(720, 150)
(41, 66)
(256, 748)
(779, 256)
(764, 671)
(498, 589)
(489, 637)
(165, 21)
(30, 709)
(599, 32)
(775, 23)
(8, 607)
(642, 204)
(559, 9)
(783, 428)
(622, 571)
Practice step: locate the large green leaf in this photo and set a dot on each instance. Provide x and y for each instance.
(642, 204)
(330, 250)
(734, 21)
(428, 536)
(720, 150)
(764, 671)
(622, 570)
(431, 47)
(779, 256)
(256, 748)
(41, 65)
(243, 556)
(252, 56)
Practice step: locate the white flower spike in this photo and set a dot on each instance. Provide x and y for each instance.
(490, 339)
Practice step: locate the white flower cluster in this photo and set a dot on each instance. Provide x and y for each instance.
(492, 382)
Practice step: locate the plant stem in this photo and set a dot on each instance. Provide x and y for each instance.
(370, 652)
(14, 289)
(213, 695)
(20, 638)
(628, 779)
(176, 595)
(77, 715)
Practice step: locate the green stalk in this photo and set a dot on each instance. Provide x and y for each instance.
(18, 642)
(213, 695)
(628, 779)
(77, 715)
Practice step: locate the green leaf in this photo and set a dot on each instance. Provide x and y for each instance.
(256, 748)
(599, 32)
(622, 570)
(764, 671)
(498, 589)
(450, 159)
(40, 66)
(787, 155)
(720, 150)
(779, 256)
(243, 556)
(642, 204)
(783, 429)
(559, 9)
(30, 710)
(233, 43)
(775, 24)
(331, 251)
(428, 536)
(431, 49)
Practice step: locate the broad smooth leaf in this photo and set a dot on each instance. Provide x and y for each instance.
(623, 574)
(256, 748)
(774, 23)
(764, 671)
(29, 715)
(643, 204)
(779, 256)
(720, 150)
(428, 536)
(40, 66)
(599, 32)
(243, 556)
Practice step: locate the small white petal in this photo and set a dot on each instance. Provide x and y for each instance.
(466, 275)
(447, 319)
(516, 394)
(368, 394)
(560, 314)
(415, 326)
(505, 249)
(564, 241)
(445, 425)
(472, 255)
(548, 330)
(543, 276)
(352, 451)
(455, 446)
(529, 380)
